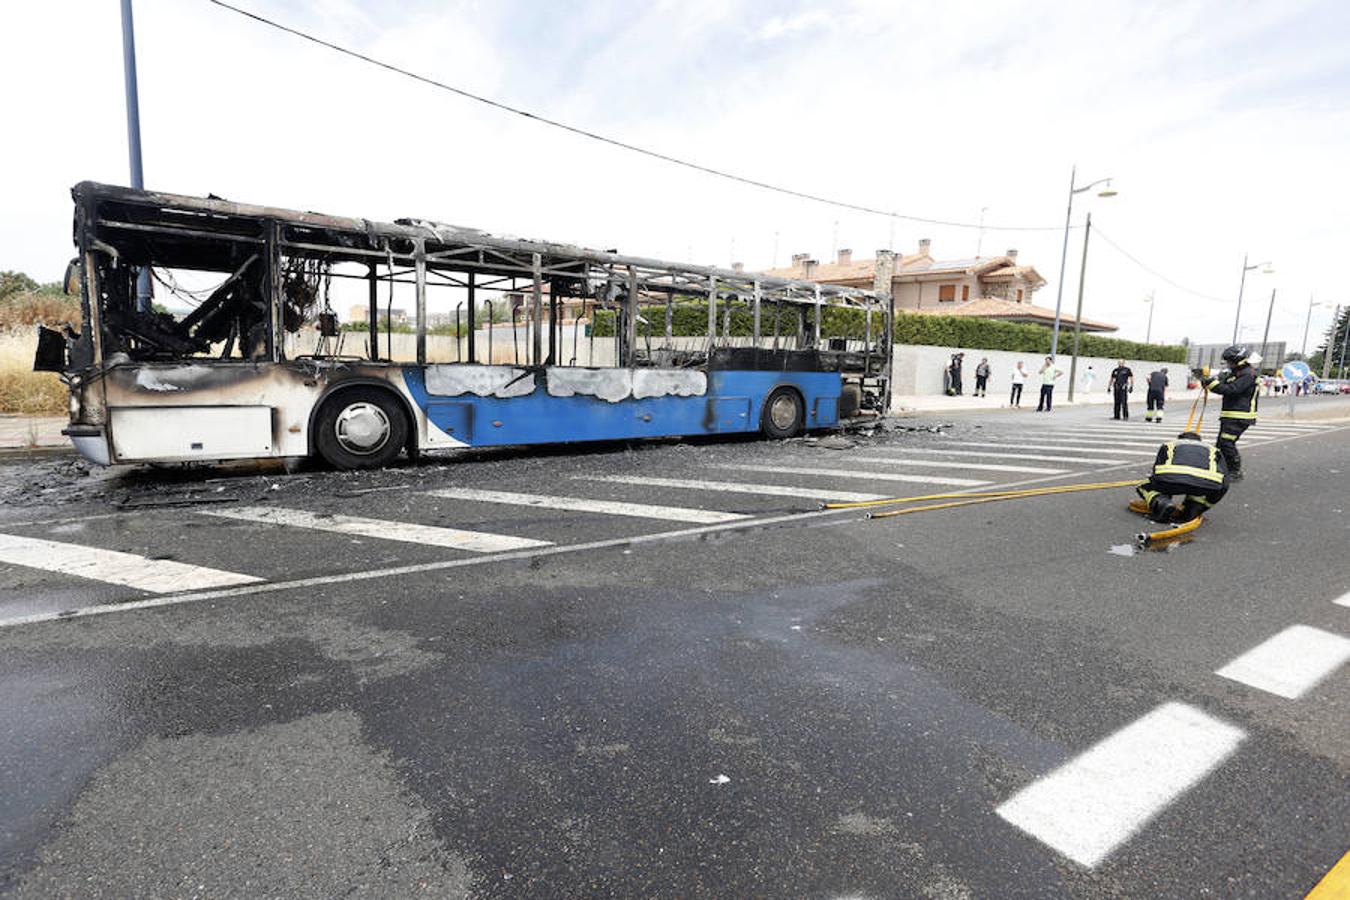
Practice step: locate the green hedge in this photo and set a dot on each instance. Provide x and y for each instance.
(690, 319)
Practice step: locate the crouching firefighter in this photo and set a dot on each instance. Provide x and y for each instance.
(1238, 386)
(1189, 470)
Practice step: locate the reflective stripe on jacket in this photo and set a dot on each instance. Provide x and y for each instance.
(1239, 392)
(1178, 462)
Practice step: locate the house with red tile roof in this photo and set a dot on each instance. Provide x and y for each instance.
(986, 287)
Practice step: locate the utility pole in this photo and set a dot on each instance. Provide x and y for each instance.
(1078, 316)
(1266, 336)
(1148, 332)
(1307, 322)
(134, 133)
(1331, 344)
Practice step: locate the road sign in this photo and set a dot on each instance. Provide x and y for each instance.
(1295, 371)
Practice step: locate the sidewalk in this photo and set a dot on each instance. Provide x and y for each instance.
(32, 433)
(926, 403)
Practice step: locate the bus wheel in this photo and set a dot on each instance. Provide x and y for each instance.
(783, 414)
(361, 428)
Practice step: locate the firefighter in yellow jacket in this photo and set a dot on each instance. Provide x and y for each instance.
(1238, 385)
(1185, 469)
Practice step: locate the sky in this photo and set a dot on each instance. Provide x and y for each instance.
(1225, 126)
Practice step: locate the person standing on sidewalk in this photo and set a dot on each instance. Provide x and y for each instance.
(982, 377)
(1019, 378)
(1049, 373)
(1088, 380)
(1157, 388)
(1121, 383)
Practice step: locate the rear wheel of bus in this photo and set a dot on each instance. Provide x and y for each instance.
(784, 414)
(361, 428)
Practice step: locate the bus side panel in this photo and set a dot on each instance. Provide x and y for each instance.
(733, 403)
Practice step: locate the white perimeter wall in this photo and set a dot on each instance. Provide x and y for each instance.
(918, 370)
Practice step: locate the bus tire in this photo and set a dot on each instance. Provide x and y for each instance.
(784, 414)
(361, 428)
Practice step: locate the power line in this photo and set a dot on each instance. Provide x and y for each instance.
(1155, 273)
(614, 142)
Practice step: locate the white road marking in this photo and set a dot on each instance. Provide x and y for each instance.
(1006, 445)
(736, 487)
(1343, 599)
(850, 473)
(579, 504)
(1291, 662)
(1136, 438)
(407, 532)
(996, 455)
(1092, 804)
(946, 464)
(159, 576)
(839, 517)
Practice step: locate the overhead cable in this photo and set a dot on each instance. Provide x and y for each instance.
(615, 142)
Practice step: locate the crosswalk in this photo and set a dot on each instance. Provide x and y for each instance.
(718, 494)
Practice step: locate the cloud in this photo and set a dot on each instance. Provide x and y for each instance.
(811, 20)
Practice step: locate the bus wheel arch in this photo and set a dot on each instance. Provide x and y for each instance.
(784, 413)
(361, 425)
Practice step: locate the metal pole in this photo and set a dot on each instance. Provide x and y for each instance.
(1265, 338)
(1148, 332)
(1078, 316)
(1241, 284)
(1063, 261)
(134, 133)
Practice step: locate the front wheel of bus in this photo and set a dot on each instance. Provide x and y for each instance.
(361, 428)
(783, 414)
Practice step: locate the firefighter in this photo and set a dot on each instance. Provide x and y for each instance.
(1187, 469)
(1238, 386)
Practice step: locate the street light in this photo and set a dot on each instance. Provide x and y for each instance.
(1266, 269)
(1148, 332)
(1107, 191)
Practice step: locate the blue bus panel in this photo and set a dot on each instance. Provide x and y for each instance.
(733, 403)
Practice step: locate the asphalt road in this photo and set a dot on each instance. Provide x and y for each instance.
(692, 689)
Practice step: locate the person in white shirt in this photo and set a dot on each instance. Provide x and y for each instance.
(1049, 374)
(1088, 378)
(1019, 378)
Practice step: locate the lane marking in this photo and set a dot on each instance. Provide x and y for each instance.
(946, 464)
(847, 473)
(580, 504)
(407, 532)
(1168, 435)
(735, 487)
(158, 576)
(1343, 599)
(1291, 662)
(1118, 450)
(1335, 885)
(1092, 804)
(987, 454)
(839, 517)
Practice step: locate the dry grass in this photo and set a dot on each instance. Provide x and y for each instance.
(22, 390)
(27, 308)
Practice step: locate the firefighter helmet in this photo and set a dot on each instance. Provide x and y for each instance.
(1236, 355)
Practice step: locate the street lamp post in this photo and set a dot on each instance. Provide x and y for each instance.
(1148, 332)
(1064, 253)
(1264, 267)
(134, 133)
(1331, 343)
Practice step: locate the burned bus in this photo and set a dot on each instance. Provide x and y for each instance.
(271, 333)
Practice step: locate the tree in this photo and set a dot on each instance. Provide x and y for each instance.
(15, 283)
(1333, 342)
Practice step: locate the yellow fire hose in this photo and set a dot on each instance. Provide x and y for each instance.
(1168, 534)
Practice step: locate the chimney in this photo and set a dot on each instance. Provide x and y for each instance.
(845, 257)
(798, 259)
(1012, 255)
(809, 267)
(884, 271)
(924, 246)
(738, 267)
